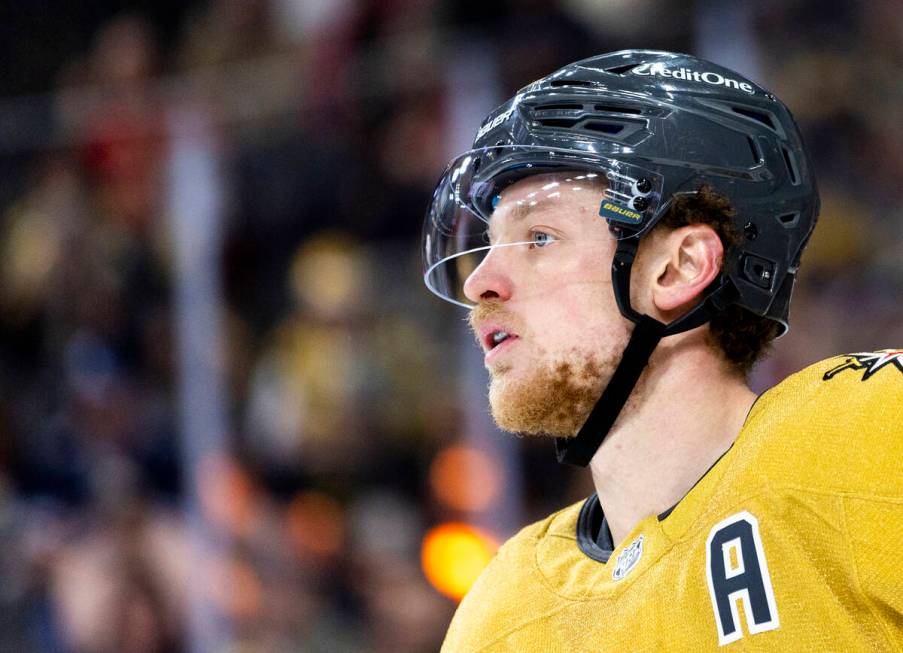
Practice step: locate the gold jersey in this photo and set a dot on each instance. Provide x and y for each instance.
(793, 541)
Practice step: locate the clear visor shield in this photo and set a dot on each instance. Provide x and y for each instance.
(519, 199)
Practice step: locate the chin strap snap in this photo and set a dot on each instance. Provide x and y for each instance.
(646, 335)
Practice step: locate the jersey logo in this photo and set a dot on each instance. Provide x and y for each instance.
(628, 558)
(870, 361)
(737, 574)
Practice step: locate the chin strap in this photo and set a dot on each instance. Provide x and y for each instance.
(646, 335)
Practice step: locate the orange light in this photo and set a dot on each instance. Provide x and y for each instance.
(465, 478)
(453, 555)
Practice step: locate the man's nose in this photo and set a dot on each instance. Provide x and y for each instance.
(489, 280)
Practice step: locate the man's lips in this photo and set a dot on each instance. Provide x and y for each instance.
(495, 329)
(493, 336)
(500, 349)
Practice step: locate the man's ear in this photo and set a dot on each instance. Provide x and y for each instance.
(687, 260)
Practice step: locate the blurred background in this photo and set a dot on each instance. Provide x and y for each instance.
(231, 417)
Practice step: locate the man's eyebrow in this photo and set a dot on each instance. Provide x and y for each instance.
(516, 213)
(536, 200)
(522, 209)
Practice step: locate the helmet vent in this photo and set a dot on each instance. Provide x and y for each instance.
(558, 107)
(570, 82)
(616, 109)
(756, 155)
(759, 116)
(604, 127)
(558, 122)
(789, 220)
(791, 166)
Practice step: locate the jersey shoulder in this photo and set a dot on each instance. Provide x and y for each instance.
(508, 594)
(836, 425)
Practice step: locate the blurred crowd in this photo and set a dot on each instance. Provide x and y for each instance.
(352, 426)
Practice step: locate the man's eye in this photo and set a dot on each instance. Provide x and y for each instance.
(541, 238)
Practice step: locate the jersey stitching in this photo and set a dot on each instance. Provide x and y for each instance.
(612, 591)
(520, 626)
(838, 492)
(852, 557)
(702, 521)
(545, 581)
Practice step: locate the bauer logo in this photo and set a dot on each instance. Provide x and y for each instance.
(498, 120)
(618, 213)
(686, 74)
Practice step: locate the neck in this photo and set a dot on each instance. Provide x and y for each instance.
(686, 411)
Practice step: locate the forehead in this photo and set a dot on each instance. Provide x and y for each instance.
(561, 199)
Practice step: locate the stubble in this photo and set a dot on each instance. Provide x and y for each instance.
(556, 393)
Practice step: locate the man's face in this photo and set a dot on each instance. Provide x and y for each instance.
(553, 300)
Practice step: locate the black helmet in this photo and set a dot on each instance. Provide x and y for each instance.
(657, 124)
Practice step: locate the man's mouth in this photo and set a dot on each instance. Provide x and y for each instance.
(492, 326)
(493, 338)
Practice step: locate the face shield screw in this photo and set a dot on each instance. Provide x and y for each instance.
(644, 185)
(640, 203)
(751, 231)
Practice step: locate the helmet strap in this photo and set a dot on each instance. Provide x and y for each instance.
(580, 449)
(646, 335)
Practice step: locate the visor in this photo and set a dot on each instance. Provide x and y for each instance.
(526, 197)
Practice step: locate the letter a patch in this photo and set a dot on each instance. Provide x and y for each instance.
(737, 571)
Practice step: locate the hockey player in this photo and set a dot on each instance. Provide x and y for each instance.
(626, 233)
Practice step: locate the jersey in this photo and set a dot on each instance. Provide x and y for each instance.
(793, 541)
